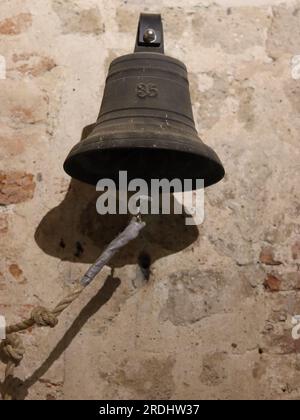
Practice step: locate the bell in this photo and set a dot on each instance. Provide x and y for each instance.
(145, 125)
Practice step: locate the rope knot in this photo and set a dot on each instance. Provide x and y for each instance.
(43, 317)
(12, 348)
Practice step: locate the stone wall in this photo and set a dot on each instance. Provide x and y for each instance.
(215, 318)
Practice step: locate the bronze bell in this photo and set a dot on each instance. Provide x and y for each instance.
(145, 125)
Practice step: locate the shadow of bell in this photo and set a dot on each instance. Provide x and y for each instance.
(74, 231)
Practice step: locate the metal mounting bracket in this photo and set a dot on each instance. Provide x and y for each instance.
(150, 35)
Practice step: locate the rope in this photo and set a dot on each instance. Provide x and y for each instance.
(12, 347)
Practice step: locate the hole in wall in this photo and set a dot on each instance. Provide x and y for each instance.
(144, 261)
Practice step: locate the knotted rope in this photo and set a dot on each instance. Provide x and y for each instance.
(12, 347)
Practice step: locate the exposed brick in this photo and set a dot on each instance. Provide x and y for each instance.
(33, 64)
(2, 283)
(267, 257)
(15, 271)
(272, 283)
(50, 397)
(16, 187)
(296, 250)
(22, 102)
(16, 24)
(3, 223)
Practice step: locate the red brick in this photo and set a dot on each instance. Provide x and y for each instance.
(16, 24)
(296, 250)
(33, 64)
(272, 283)
(3, 223)
(267, 257)
(16, 187)
(15, 271)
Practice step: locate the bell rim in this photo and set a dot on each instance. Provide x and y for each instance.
(96, 145)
